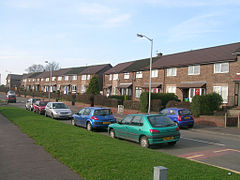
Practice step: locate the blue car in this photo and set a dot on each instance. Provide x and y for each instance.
(93, 118)
(183, 117)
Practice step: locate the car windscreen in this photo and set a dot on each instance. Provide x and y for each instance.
(59, 106)
(35, 100)
(43, 103)
(160, 121)
(102, 112)
(184, 112)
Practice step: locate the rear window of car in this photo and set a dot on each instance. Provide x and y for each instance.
(102, 112)
(11, 96)
(43, 103)
(160, 121)
(184, 112)
(35, 100)
(59, 106)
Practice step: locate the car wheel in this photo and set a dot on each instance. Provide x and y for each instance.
(89, 126)
(144, 142)
(52, 116)
(172, 143)
(45, 114)
(73, 122)
(112, 133)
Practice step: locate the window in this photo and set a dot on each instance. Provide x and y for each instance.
(74, 88)
(115, 76)
(25, 80)
(84, 77)
(53, 78)
(171, 89)
(137, 121)
(110, 77)
(139, 74)
(59, 78)
(29, 80)
(126, 76)
(154, 73)
(138, 92)
(42, 79)
(172, 72)
(66, 78)
(83, 89)
(194, 70)
(127, 120)
(47, 79)
(33, 80)
(223, 91)
(221, 68)
(88, 77)
(74, 78)
(38, 79)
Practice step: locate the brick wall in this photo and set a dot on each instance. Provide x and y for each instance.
(217, 121)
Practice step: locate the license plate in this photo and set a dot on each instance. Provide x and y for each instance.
(168, 138)
(106, 122)
(187, 118)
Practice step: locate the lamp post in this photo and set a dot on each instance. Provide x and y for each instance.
(150, 72)
(50, 80)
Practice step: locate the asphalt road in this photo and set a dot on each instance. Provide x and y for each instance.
(215, 148)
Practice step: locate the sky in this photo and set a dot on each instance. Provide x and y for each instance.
(78, 33)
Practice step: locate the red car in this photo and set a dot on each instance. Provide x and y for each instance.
(39, 107)
(11, 98)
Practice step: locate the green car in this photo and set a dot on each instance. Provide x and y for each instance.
(147, 129)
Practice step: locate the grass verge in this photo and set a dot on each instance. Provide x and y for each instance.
(97, 156)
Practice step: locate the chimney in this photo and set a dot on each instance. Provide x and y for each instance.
(159, 54)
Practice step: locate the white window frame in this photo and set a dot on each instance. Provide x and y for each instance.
(59, 78)
(110, 77)
(84, 77)
(219, 90)
(47, 79)
(220, 70)
(171, 71)
(194, 70)
(66, 78)
(88, 77)
(115, 77)
(138, 92)
(53, 78)
(42, 79)
(139, 75)
(83, 89)
(74, 78)
(171, 89)
(126, 75)
(74, 88)
(154, 73)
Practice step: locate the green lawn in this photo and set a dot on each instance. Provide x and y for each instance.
(97, 156)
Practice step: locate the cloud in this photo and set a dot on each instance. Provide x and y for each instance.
(194, 27)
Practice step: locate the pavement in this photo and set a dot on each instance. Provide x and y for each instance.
(22, 159)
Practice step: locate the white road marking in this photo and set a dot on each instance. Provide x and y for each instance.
(195, 156)
(205, 142)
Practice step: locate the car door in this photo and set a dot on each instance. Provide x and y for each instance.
(78, 116)
(85, 116)
(172, 114)
(122, 130)
(135, 129)
(47, 109)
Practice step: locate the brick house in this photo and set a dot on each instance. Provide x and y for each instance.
(13, 81)
(214, 69)
(67, 80)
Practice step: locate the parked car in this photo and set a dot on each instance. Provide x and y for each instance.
(11, 98)
(146, 129)
(58, 110)
(93, 118)
(39, 107)
(183, 117)
(30, 102)
(11, 93)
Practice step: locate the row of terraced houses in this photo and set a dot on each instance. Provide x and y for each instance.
(196, 72)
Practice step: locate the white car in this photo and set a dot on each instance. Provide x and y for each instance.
(58, 110)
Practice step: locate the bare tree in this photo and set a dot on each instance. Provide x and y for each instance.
(35, 68)
(54, 65)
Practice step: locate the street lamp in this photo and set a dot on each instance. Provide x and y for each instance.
(150, 73)
(50, 80)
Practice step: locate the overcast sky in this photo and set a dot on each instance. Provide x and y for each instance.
(80, 33)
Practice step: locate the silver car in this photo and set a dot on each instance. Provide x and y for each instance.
(58, 110)
(30, 102)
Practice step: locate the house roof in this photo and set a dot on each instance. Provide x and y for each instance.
(95, 69)
(201, 56)
(14, 76)
(119, 68)
(31, 75)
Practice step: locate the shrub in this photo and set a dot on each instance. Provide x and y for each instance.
(93, 87)
(144, 102)
(196, 106)
(178, 104)
(129, 104)
(156, 105)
